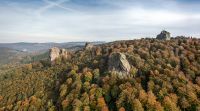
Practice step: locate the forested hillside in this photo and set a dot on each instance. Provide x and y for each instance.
(8, 55)
(164, 76)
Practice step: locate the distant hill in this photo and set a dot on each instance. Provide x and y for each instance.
(35, 47)
(7, 55)
(28, 52)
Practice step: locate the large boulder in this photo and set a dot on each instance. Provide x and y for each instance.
(55, 53)
(164, 35)
(118, 63)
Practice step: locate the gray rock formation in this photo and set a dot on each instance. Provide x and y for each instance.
(63, 53)
(164, 35)
(88, 46)
(118, 63)
(56, 52)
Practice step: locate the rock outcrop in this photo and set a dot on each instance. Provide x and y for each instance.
(63, 53)
(118, 63)
(164, 35)
(88, 46)
(55, 52)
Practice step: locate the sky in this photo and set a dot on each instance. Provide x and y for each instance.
(96, 20)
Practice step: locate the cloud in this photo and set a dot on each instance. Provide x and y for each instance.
(52, 4)
(72, 21)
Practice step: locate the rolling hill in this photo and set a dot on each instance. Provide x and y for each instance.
(28, 52)
(132, 75)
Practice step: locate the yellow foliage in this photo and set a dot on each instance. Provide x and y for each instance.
(65, 103)
(101, 102)
(105, 108)
(122, 109)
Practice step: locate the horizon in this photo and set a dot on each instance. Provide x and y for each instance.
(59, 21)
(92, 41)
(51, 42)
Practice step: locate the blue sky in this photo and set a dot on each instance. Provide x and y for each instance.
(95, 20)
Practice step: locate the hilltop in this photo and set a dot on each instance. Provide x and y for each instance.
(145, 74)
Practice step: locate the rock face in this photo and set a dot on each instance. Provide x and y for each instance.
(118, 63)
(56, 52)
(164, 35)
(88, 46)
(63, 53)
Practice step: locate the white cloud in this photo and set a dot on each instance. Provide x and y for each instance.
(52, 4)
(90, 25)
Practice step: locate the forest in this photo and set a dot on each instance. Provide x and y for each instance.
(165, 76)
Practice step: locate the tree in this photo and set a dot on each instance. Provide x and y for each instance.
(105, 108)
(88, 76)
(185, 63)
(96, 74)
(63, 90)
(133, 71)
(101, 104)
(65, 104)
(158, 106)
(143, 96)
(151, 100)
(122, 109)
(192, 97)
(77, 105)
(198, 80)
(86, 86)
(86, 108)
(151, 85)
(85, 99)
(137, 106)
(184, 103)
(114, 91)
(169, 105)
(98, 92)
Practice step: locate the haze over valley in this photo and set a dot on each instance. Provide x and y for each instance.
(99, 55)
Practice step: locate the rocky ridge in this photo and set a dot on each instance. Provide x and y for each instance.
(55, 52)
